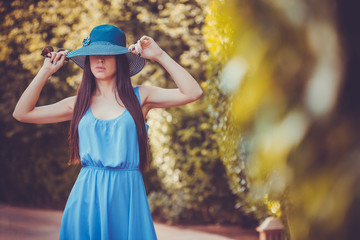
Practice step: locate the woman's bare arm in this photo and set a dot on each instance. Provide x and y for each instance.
(25, 110)
(188, 89)
(155, 97)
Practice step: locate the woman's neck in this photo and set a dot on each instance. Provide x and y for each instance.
(105, 88)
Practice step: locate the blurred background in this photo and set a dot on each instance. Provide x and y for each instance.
(275, 134)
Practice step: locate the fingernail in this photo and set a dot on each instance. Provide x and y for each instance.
(140, 51)
(54, 62)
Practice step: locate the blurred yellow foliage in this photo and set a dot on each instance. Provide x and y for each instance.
(278, 88)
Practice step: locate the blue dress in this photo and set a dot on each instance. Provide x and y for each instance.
(108, 199)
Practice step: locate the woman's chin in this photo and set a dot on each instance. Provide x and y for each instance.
(103, 77)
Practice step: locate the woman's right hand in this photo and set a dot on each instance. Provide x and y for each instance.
(54, 61)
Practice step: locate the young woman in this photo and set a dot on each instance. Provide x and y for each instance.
(108, 131)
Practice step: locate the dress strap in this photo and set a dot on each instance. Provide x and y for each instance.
(136, 89)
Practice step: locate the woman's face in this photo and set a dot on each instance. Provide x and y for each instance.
(103, 66)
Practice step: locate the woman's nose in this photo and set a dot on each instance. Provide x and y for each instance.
(101, 58)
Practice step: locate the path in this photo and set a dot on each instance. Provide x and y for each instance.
(31, 224)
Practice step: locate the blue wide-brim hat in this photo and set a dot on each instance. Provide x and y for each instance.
(106, 40)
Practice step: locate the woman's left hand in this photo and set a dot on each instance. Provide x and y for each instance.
(146, 47)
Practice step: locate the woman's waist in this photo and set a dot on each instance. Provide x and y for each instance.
(110, 165)
(117, 168)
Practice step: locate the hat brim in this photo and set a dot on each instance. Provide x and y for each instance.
(136, 63)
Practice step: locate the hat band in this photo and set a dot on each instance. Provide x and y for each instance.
(102, 43)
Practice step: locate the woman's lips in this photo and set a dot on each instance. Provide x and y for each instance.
(100, 69)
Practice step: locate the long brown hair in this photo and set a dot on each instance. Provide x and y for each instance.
(127, 95)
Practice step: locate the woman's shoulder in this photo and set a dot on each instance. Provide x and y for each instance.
(143, 88)
(142, 91)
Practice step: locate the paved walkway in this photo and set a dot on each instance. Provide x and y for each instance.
(30, 224)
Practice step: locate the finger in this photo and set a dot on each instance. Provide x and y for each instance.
(134, 48)
(61, 52)
(137, 49)
(139, 46)
(57, 58)
(144, 38)
(66, 53)
(131, 48)
(53, 55)
(62, 58)
(59, 61)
